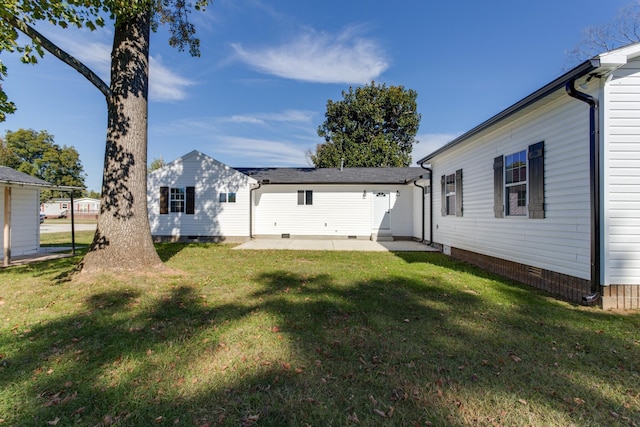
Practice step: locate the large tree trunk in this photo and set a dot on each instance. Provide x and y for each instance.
(123, 240)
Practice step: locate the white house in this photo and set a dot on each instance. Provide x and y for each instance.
(547, 192)
(196, 197)
(19, 206)
(56, 208)
(61, 207)
(357, 203)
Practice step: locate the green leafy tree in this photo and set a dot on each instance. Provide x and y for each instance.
(123, 240)
(156, 164)
(7, 157)
(373, 126)
(36, 153)
(92, 194)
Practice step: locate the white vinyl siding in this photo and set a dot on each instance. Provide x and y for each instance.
(337, 210)
(25, 221)
(560, 241)
(210, 218)
(621, 193)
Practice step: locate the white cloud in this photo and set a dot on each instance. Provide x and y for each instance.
(288, 116)
(164, 84)
(430, 142)
(261, 152)
(319, 57)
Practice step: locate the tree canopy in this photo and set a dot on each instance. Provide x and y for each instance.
(622, 30)
(35, 153)
(123, 240)
(372, 126)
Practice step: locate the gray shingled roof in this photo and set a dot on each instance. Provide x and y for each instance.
(334, 175)
(12, 176)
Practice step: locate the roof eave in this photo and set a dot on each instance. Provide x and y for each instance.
(581, 70)
(33, 184)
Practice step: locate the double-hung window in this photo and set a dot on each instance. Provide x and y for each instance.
(515, 173)
(450, 193)
(451, 189)
(177, 200)
(518, 183)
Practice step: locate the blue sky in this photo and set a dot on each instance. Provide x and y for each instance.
(258, 93)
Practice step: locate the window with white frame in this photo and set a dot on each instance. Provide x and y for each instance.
(451, 191)
(305, 197)
(177, 199)
(450, 194)
(227, 197)
(515, 181)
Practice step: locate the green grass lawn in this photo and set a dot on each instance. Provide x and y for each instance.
(281, 338)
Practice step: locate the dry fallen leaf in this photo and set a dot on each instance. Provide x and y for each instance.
(381, 413)
(53, 422)
(524, 402)
(515, 358)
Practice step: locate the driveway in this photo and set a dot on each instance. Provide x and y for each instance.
(64, 227)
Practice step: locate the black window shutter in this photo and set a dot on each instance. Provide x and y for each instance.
(459, 192)
(498, 187)
(191, 200)
(308, 197)
(536, 180)
(443, 195)
(164, 200)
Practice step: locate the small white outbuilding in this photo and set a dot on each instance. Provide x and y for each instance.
(19, 213)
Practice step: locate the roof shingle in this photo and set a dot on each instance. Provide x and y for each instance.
(334, 175)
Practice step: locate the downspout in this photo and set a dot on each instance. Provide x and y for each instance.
(428, 168)
(422, 198)
(251, 209)
(594, 184)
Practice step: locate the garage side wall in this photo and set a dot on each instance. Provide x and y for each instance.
(336, 211)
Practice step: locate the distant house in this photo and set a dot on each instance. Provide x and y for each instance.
(60, 208)
(19, 205)
(196, 197)
(55, 208)
(547, 192)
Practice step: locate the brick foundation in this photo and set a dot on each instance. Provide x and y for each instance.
(621, 297)
(567, 287)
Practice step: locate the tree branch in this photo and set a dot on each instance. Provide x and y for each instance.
(59, 53)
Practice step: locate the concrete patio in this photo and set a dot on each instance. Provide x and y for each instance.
(336, 245)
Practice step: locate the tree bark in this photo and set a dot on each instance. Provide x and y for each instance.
(123, 239)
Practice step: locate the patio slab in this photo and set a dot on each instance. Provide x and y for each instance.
(336, 245)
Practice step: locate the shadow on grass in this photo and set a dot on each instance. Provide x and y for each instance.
(391, 349)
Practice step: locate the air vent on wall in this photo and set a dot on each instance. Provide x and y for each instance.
(535, 271)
